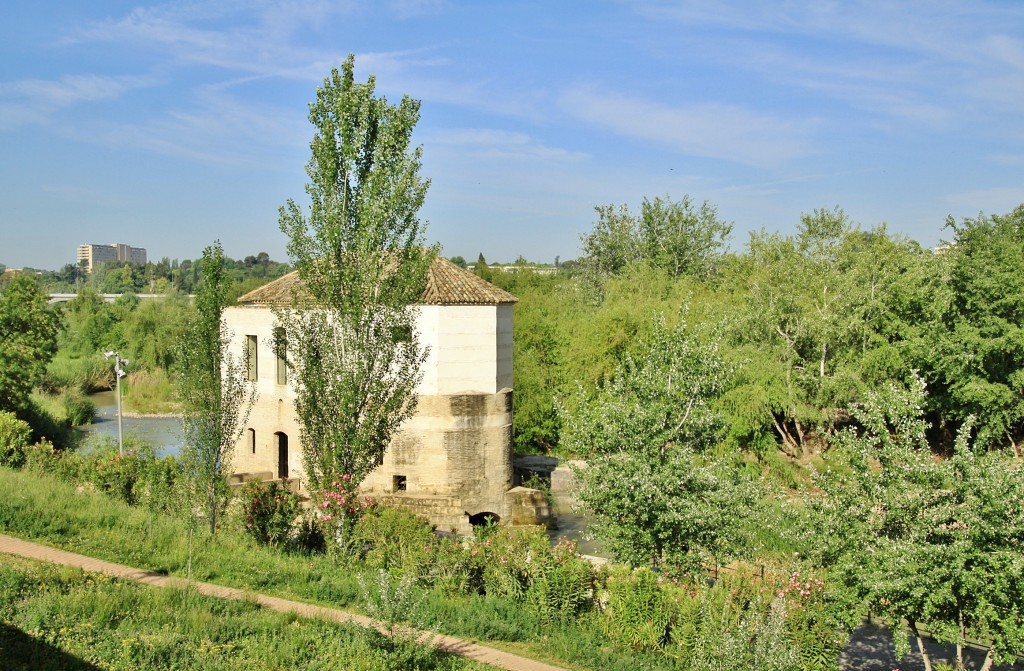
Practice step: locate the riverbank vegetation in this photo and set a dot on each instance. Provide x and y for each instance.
(506, 587)
(62, 618)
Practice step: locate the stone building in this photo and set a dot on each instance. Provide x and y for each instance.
(452, 461)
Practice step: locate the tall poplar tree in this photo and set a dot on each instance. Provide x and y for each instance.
(349, 330)
(215, 397)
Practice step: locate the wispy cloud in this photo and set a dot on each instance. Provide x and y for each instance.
(900, 60)
(712, 130)
(998, 200)
(490, 143)
(31, 100)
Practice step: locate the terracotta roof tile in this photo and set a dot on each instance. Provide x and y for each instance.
(447, 284)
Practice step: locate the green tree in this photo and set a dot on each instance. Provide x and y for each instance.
(359, 253)
(215, 397)
(676, 236)
(933, 542)
(481, 269)
(827, 314)
(657, 496)
(973, 352)
(28, 341)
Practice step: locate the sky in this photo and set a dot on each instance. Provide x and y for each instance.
(168, 125)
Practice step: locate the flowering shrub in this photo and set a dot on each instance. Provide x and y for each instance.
(340, 507)
(269, 511)
(810, 622)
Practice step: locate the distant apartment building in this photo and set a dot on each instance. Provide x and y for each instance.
(96, 254)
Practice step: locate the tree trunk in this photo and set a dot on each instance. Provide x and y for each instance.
(213, 508)
(920, 647)
(790, 446)
(960, 641)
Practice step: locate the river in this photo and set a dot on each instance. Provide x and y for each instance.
(163, 433)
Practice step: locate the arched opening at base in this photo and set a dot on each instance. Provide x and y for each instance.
(484, 518)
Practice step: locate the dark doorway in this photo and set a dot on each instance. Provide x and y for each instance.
(484, 519)
(282, 455)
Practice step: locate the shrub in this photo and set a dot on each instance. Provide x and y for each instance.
(338, 511)
(87, 374)
(269, 511)
(138, 476)
(149, 392)
(639, 612)
(78, 409)
(393, 538)
(14, 438)
(40, 457)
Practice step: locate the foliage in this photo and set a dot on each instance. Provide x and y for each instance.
(935, 542)
(638, 612)
(339, 509)
(654, 402)
(28, 341)
(655, 499)
(78, 409)
(216, 398)
(270, 511)
(15, 435)
(360, 257)
(391, 600)
(974, 360)
(672, 235)
(56, 617)
(150, 392)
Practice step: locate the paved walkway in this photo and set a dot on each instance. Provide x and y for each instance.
(449, 644)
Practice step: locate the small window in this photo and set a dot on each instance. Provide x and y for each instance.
(400, 334)
(398, 483)
(250, 358)
(281, 351)
(252, 440)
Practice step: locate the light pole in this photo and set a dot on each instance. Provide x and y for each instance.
(118, 374)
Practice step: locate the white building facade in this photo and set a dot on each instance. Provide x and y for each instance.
(452, 461)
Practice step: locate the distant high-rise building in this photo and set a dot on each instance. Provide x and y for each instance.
(95, 254)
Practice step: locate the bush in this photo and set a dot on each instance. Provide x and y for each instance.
(639, 612)
(14, 438)
(269, 512)
(87, 374)
(393, 538)
(149, 392)
(78, 409)
(137, 477)
(41, 457)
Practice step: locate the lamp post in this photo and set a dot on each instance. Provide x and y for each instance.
(118, 374)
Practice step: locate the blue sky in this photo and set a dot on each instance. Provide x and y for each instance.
(170, 124)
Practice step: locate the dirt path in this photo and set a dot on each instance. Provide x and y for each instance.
(449, 644)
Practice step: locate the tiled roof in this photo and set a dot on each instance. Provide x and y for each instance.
(447, 284)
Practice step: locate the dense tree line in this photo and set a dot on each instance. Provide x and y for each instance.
(163, 276)
(808, 323)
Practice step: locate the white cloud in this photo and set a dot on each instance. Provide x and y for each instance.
(997, 200)
(901, 60)
(44, 94)
(491, 143)
(713, 130)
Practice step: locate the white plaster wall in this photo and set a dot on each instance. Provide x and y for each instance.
(464, 454)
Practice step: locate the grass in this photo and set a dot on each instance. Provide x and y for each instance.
(41, 508)
(149, 392)
(62, 618)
